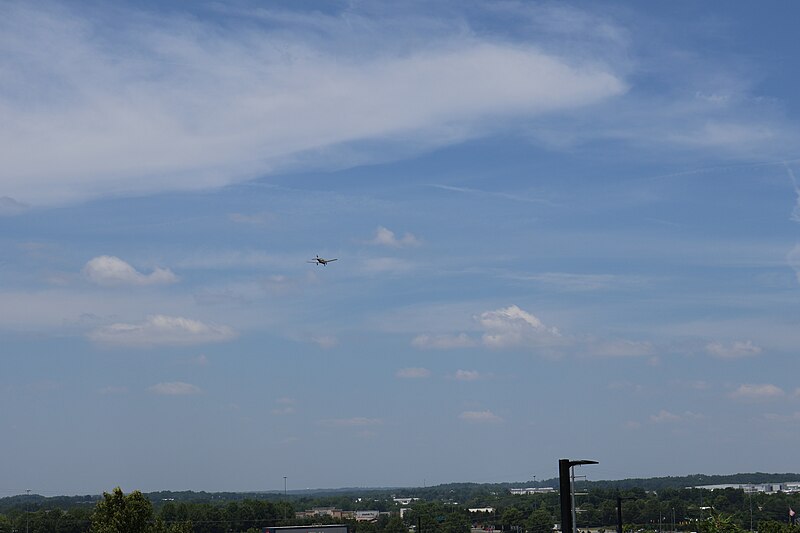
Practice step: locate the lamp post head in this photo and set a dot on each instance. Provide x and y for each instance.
(582, 462)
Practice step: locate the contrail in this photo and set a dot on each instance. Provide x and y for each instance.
(703, 170)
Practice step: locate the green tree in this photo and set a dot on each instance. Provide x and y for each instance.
(118, 513)
(456, 522)
(540, 521)
(395, 525)
(512, 517)
(720, 523)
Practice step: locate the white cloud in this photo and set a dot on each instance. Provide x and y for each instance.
(511, 327)
(181, 102)
(757, 392)
(480, 416)
(626, 386)
(620, 348)
(735, 350)
(358, 421)
(386, 237)
(664, 416)
(775, 417)
(443, 342)
(110, 270)
(286, 406)
(325, 341)
(467, 375)
(413, 373)
(161, 330)
(692, 384)
(175, 388)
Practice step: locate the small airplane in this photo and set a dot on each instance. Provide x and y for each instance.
(320, 261)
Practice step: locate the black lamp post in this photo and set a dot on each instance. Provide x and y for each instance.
(619, 512)
(565, 496)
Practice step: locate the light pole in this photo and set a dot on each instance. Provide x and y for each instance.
(284, 486)
(620, 499)
(566, 485)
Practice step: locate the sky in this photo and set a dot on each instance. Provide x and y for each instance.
(562, 230)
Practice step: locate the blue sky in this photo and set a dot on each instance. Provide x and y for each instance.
(562, 230)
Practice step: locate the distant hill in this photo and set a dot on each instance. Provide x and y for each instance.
(447, 491)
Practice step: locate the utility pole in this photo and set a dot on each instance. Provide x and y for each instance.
(27, 509)
(284, 486)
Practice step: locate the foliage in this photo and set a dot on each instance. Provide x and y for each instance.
(720, 523)
(118, 513)
(540, 521)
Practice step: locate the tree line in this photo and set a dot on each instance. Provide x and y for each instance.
(670, 509)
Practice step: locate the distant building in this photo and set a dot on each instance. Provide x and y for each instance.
(532, 490)
(333, 512)
(482, 510)
(754, 488)
(404, 501)
(367, 516)
(336, 528)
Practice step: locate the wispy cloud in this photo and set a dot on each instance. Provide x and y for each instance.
(161, 330)
(619, 348)
(253, 218)
(286, 406)
(110, 270)
(665, 416)
(175, 388)
(572, 282)
(355, 422)
(734, 350)
(467, 375)
(758, 392)
(325, 341)
(480, 417)
(512, 328)
(125, 123)
(413, 373)
(443, 342)
(503, 195)
(783, 418)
